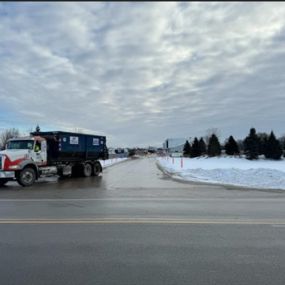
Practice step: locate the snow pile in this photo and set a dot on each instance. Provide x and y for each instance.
(228, 170)
(109, 162)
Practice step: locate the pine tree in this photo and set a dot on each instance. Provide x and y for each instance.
(262, 142)
(273, 148)
(240, 145)
(38, 129)
(187, 149)
(282, 143)
(202, 146)
(231, 147)
(251, 145)
(214, 147)
(195, 149)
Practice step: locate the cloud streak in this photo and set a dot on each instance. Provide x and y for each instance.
(141, 72)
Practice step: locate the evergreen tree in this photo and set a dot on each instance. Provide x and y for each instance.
(187, 149)
(38, 129)
(195, 149)
(282, 143)
(231, 147)
(251, 145)
(240, 145)
(214, 147)
(131, 152)
(202, 146)
(273, 148)
(262, 142)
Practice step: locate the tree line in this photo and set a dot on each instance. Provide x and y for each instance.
(252, 146)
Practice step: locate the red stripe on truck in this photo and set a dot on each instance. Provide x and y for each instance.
(8, 163)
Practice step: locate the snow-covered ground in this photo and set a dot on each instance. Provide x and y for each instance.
(260, 173)
(109, 162)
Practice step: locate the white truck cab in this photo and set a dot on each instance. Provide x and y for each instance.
(27, 153)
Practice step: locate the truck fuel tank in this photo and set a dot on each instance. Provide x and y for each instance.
(48, 171)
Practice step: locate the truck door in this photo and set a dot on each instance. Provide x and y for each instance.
(40, 152)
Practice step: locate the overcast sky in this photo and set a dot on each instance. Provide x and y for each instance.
(141, 72)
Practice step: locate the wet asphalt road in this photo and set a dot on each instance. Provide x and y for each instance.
(134, 225)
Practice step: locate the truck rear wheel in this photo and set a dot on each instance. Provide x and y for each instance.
(97, 169)
(26, 177)
(87, 170)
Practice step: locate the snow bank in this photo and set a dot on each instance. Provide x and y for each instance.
(109, 162)
(261, 173)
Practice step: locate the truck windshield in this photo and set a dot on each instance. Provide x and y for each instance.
(18, 144)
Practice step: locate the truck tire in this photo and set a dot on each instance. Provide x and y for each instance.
(3, 182)
(97, 169)
(87, 170)
(26, 177)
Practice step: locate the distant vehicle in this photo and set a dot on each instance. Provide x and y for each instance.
(119, 150)
(51, 153)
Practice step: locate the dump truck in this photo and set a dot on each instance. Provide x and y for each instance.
(25, 159)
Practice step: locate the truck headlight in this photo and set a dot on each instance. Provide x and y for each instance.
(14, 167)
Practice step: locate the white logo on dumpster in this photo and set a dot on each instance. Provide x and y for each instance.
(95, 141)
(73, 140)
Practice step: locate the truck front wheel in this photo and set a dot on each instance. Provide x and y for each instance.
(26, 177)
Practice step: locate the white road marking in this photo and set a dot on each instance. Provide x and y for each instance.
(144, 221)
(281, 200)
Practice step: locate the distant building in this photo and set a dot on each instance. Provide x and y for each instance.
(172, 145)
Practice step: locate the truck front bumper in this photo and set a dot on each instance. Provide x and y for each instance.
(7, 174)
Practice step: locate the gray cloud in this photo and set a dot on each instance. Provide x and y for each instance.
(141, 72)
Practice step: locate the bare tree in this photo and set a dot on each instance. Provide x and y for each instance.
(28, 131)
(210, 132)
(6, 135)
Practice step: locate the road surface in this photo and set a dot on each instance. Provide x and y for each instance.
(134, 225)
